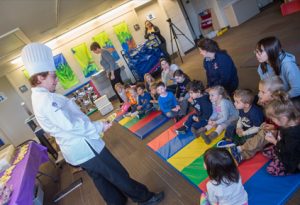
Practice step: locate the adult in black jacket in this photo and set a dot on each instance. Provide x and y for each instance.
(152, 30)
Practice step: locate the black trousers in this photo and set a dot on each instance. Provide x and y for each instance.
(117, 79)
(113, 181)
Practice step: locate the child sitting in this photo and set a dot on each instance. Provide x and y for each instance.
(268, 89)
(148, 80)
(250, 117)
(167, 102)
(285, 155)
(144, 105)
(224, 114)
(182, 95)
(225, 184)
(200, 101)
(121, 92)
(154, 96)
(132, 97)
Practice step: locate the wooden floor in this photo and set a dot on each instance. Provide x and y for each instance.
(145, 166)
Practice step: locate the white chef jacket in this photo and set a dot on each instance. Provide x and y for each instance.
(72, 129)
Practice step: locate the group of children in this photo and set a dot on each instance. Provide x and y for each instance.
(247, 128)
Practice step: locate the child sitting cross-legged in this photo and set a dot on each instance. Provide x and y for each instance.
(154, 96)
(225, 184)
(144, 105)
(268, 91)
(202, 105)
(132, 98)
(167, 102)
(224, 114)
(250, 117)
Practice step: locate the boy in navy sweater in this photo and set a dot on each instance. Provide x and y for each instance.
(167, 102)
(250, 117)
(201, 103)
(144, 98)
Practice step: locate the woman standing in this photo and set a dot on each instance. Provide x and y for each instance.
(275, 61)
(220, 69)
(151, 30)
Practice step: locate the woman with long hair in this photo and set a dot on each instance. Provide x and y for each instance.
(275, 61)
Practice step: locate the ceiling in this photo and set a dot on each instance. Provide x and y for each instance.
(24, 21)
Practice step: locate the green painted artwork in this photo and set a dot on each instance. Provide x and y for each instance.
(105, 42)
(85, 60)
(65, 74)
(124, 36)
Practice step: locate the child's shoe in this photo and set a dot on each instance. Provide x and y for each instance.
(235, 153)
(140, 115)
(213, 135)
(134, 114)
(232, 148)
(181, 130)
(225, 143)
(127, 114)
(201, 132)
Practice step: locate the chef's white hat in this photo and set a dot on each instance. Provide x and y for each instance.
(37, 58)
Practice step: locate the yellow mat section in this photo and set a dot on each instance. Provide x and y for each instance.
(125, 120)
(191, 152)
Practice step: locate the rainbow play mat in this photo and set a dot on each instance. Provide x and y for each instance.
(142, 127)
(185, 154)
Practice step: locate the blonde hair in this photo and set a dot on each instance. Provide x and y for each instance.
(148, 74)
(281, 106)
(246, 95)
(221, 91)
(273, 84)
(118, 85)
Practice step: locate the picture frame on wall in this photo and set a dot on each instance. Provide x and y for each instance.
(150, 16)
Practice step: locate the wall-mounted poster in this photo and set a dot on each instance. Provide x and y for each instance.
(105, 42)
(26, 73)
(85, 60)
(124, 36)
(65, 74)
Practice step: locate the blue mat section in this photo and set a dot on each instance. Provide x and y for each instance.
(176, 144)
(117, 119)
(149, 127)
(276, 190)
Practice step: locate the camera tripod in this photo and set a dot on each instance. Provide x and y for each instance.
(173, 35)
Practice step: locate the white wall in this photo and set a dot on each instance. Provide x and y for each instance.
(12, 116)
(173, 11)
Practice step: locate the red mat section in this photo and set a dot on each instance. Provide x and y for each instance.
(247, 169)
(141, 123)
(167, 135)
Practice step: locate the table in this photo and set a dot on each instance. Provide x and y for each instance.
(23, 175)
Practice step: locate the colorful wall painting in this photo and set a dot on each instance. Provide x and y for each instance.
(124, 36)
(85, 60)
(105, 42)
(65, 74)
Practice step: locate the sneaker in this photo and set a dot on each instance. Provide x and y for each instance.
(206, 138)
(127, 114)
(134, 114)
(235, 153)
(213, 135)
(155, 199)
(198, 132)
(225, 143)
(181, 130)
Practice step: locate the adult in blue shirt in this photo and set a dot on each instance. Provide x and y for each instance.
(275, 61)
(220, 68)
(113, 72)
